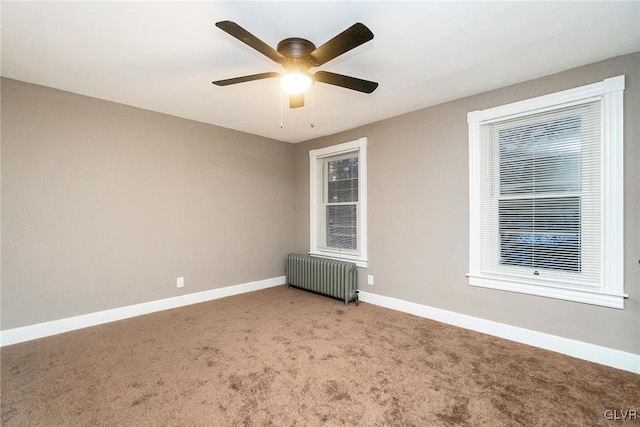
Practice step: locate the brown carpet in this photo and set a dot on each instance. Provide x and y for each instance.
(287, 357)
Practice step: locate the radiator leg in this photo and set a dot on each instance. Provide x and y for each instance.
(354, 298)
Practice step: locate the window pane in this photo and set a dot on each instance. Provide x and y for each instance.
(342, 227)
(342, 180)
(541, 233)
(541, 157)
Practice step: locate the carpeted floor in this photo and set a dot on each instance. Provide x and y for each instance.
(287, 357)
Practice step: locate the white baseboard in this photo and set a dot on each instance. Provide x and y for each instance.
(41, 330)
(578, 349)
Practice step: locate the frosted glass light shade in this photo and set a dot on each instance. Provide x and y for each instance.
(295, 82)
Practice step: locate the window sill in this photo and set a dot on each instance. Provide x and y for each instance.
(586, 296)
(348, 258)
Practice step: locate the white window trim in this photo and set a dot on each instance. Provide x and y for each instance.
(359, 145)
(611, 293)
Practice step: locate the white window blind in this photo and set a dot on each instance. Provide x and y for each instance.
(541, 195)
(340, 199)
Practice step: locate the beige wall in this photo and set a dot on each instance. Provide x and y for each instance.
(418, 213)
(104, 205)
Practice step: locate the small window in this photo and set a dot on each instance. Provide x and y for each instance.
(338, 202)
(546, 195)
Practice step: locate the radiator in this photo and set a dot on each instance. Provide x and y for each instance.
(337, 279)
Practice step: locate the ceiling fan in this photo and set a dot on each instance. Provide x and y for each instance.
(298, 55)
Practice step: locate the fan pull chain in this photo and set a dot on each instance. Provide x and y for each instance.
(312, 109)
(281, 109)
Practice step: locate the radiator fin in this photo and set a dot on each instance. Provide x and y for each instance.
(337, 279)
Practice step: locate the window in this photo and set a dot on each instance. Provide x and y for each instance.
(546, 195)
(339, 202)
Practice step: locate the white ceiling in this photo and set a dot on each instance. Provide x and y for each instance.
(162, 56)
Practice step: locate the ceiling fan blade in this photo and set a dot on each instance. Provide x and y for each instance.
(249, 39)
(235, 80)
(350, 38)
(296, 101)
(345, 81)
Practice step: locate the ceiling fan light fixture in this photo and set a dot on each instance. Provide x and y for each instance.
(297, 55)
(296, 82)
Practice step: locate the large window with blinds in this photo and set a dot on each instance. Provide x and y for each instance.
(540, 194)
(338, 202)
(546, 195)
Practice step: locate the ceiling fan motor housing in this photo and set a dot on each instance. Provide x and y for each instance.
(297, 51)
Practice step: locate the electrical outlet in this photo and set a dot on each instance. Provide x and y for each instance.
(180, 282)
(370, 279)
